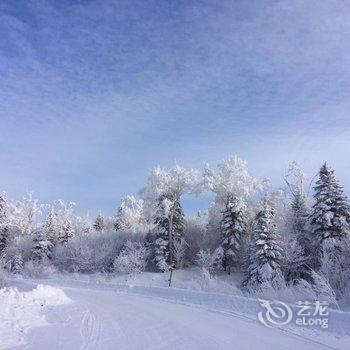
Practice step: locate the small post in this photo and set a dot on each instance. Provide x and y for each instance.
(172, 267)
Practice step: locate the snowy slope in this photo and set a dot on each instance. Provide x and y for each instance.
(103, 316)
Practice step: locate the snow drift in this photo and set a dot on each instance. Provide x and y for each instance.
(21, 311)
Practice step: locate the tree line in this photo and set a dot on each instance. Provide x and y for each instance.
(270, 238)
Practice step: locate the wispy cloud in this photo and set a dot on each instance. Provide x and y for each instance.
(95, 93)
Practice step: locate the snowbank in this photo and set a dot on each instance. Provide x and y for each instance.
(21, 311)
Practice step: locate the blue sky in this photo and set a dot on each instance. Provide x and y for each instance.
(94, 94)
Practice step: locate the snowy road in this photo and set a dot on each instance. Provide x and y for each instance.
(106, 319)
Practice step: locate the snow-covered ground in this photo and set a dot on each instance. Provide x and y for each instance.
(21, 311)
(92, 312)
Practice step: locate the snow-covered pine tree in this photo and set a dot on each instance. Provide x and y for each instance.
(233, 228)
(67, 231)
(42, 247)
(4, 236)
(3, 206)
(163, 193)
(17, 265)
(330, 219)
(118, 224)
(330, 222)
(4, 231)
(265, 251)
(51, 231)
(161, 247)
(161, 234)
(170, 223)
(300, 262)
(177, 218)
(99, 224)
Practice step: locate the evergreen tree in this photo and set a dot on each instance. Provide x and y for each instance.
(42, 247)
(265, 251)
(67, 231)
(300, 262)
(118, 225)
(170, 224)
(233, 228)
(99, 224)
(176, 216)
(331, 215)
(4, 231)
(3, 207)
(330, 222)
(4, 237)
(51, 229)
(17, 265)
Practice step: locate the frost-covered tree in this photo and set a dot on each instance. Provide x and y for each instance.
(58, 227)
(210, 261)
(296, 180)
(330, 218)
(83, 226)
(4, 231)
(231, 179)
(129, 213)
(23, 216)
(169, 218)
(4, 238)
(280, 201)
(300, 261)
(335, 264)
(180, 248)
(163, 192)
(17, 264)
(194, 234)
(212, 235)
(131, 216)
(298, 245)
(178, 181)
(265, 253)
(51, 228)
(90, 253)
(60, 224)
(330, 222)
(234, 230)
(67, 231)
(119, 223)
(42, 247)
(3, 206)
(300, 223)
(99, 224)
(132, 259)
(331, 215)
(234, 188)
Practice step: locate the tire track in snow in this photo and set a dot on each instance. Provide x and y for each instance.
(90, 331)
